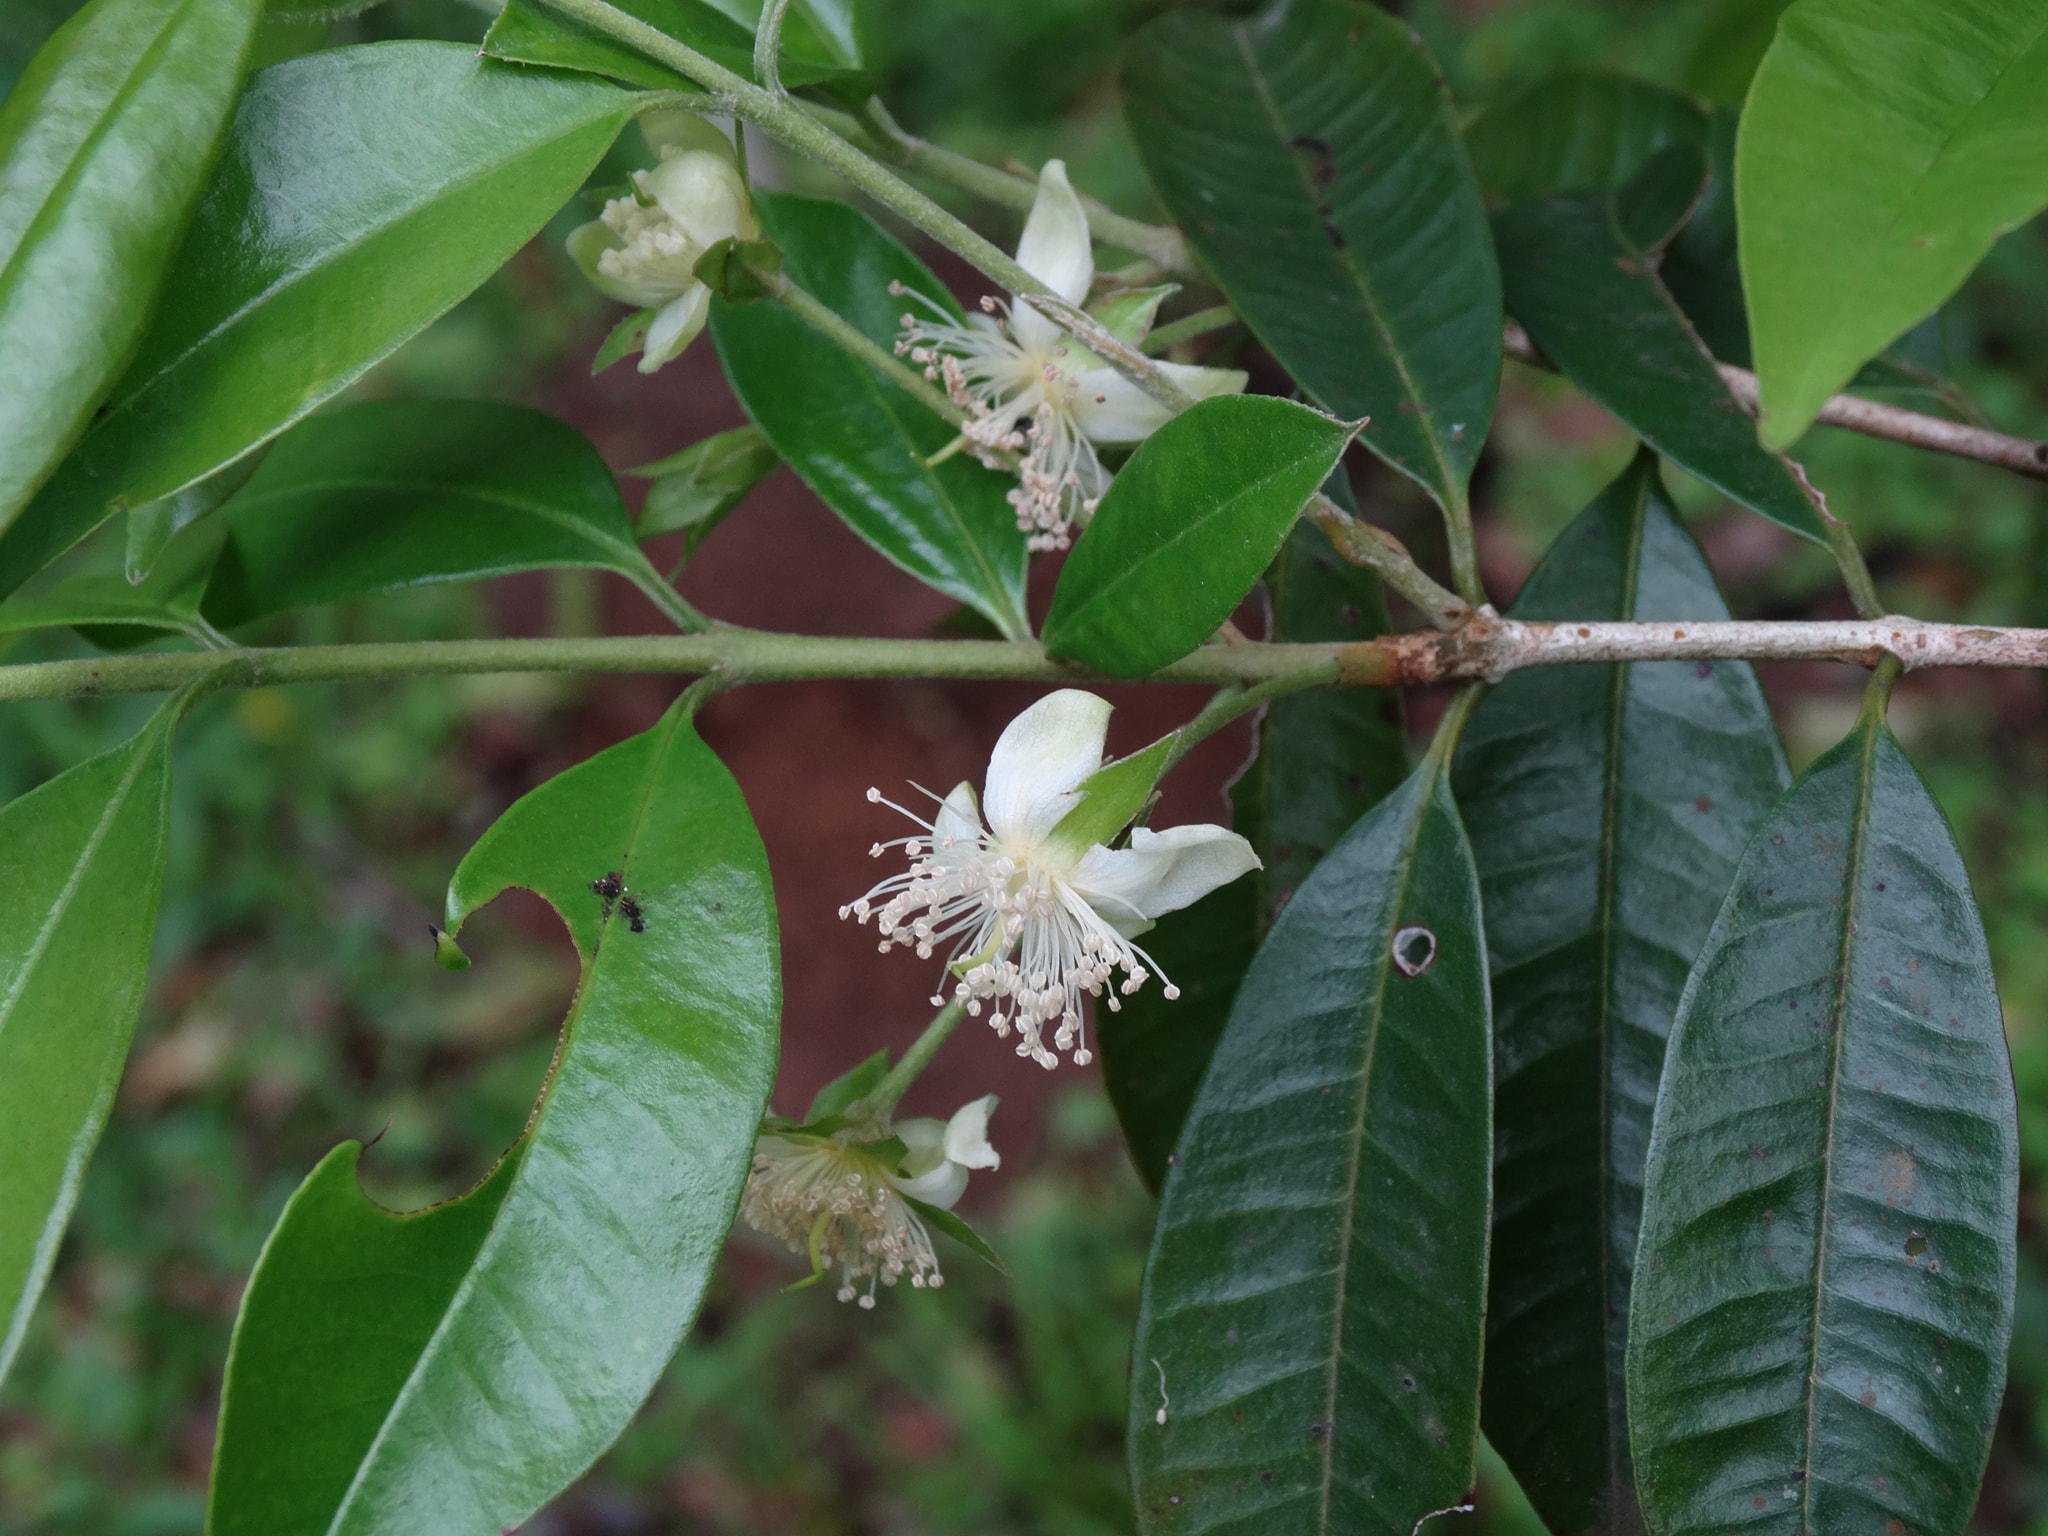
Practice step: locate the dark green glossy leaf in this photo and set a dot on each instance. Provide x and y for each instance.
(854, 437)
(153, 525)
(1187, 527)
(81, 860)
(527, 32)
(1315, 1293)
(1579, 130)
(1324, 757)
(1607, 807)
(451, 1370)
(1311, 156)
(1824, 1287)
(361, 193)
(1592, 302)
(400, 492)
(696, 488)
(1883, 149)
(105, 143)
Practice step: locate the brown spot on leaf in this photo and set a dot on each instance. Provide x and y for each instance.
(1896, 1175)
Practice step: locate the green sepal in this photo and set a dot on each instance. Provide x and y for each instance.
(959, 1231)
(848, 1086)
(743, 271)
(626, 338)
(1112, 797)
(1128, 315)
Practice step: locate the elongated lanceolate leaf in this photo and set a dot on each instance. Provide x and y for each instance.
(857, 439)
(399, 492)
(1324, 757)
(453, 1369)
(1883, 148)
(1311, 156)
(527, 32)
(1317, 1279)
(81, 860)
(1579, 130)
(361, 193)
(1824, 1288)
(105, 143)
(1187, 527)
(1590, 298)
(1607, 807)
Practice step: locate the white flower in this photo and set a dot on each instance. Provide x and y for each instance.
(1031, 389)
(844, 1198)
(1029, 915)
(643, 250)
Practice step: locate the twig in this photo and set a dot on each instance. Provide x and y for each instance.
(1870, 417)
(768, 45)
(1381, 553)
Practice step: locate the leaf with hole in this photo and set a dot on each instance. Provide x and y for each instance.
(362, 193)
(1607, 807)
(395, 493)
(1591, 300)
(450, 1370)
(105, 143)
(1883, 149)
(1187, 527)
(1836, 1087)
(1316, 1285)
(858, 440)
(81, 862)
(1311, 156)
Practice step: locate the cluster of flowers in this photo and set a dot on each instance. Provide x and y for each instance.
(1032, 908)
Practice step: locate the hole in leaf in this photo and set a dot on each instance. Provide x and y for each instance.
(1915, 1245)
(1414, 950)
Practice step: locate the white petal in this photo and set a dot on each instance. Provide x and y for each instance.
(665, 131)
(702, 191)
(967, 1135)
(1039, 759)
(1203, 383)
(1109, 408)
(675, 326)
(959, 818)
(940, 1186)
(1055, 247)
(924, 1142)
(1161, 871)
(586, 243)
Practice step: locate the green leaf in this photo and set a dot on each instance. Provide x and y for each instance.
(696, 488)
(1316, 1288)
(1111, 797)
(306, 264)
(853, 1084)
(81, 860)
(1325, 756)
(527, 32)
(1187, 527)
(1824, 1288)
(1591, 300)
(152, 526)
(168, 599)
(105, 143)
(1883, 149)
(1579, 130)
(452, 1369)
(399, 492)
(1311, 156)
(856, 439)
(1607, 807)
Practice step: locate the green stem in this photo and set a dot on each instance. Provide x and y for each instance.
(1877, 697)
(1238, 699)
(1160, 244)
(1360, 543)
(1464, 549)
(890, 1090)
(768, 45)
(1188, 327)
(1445, 742)
(684, 615)
(1855, 574)
(782, 118)
(738, 655)
(829, 324)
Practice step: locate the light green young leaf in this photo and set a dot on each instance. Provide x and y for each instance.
(81, 860)
(105, 144)
(306, 263)
(1882, 149)
(453, 1369)
(696, 488)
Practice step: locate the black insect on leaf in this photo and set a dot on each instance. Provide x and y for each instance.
(629, 909)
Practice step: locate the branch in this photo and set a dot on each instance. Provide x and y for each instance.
(1362, 543)
(1486, 647)
(1889, 422)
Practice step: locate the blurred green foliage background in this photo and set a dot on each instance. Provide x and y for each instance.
(313, 827)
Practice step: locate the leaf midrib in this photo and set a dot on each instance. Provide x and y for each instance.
(1852, 900)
